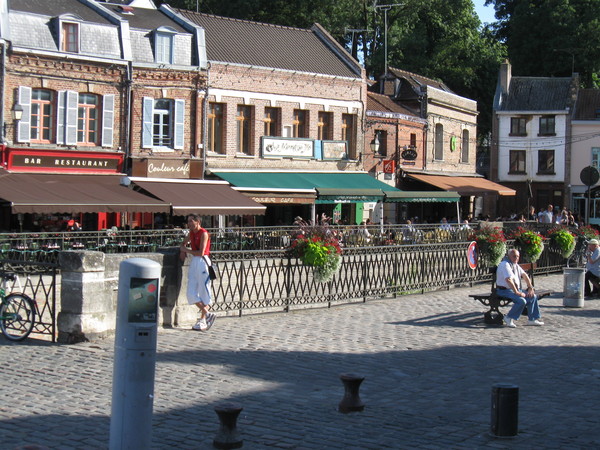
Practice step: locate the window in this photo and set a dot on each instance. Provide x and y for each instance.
(163, 124)
(271, 120)
(300, 123)
(42, 115)
(215, 128)
(87, 119)
(518, 126)
(413, 140)
(547, 126)
(517, 161)
(164, 48)
(349, 133)
(596, 157)
(464, 155)
(70, 37)
(546, 161)
(244, 128)
(439, 142)
(324, 126)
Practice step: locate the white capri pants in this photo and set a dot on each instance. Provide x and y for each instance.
(198, 288)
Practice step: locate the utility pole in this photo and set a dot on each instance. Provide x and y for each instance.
(385, 9)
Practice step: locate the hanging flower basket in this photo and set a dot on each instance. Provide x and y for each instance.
(529, 243)
(563, 240)
(491, 245)
(316, 246)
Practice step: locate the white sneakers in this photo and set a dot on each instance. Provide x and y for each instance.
(206, 323)
(535, 322)
(511, 323)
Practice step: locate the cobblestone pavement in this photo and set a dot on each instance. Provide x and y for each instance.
(429, 363)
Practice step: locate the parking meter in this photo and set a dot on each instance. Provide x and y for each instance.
(135, 354)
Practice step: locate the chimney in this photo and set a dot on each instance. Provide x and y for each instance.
(388, 85)
(505, 76)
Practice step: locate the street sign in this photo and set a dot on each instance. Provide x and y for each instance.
(589, 175)
(472, 256)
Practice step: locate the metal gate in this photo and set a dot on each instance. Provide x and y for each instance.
(38, 281)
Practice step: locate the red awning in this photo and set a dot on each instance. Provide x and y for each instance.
(464, 185)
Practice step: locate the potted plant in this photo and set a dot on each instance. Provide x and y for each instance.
(529, 243)
(491, 244)
(316, 246)
(563, 240)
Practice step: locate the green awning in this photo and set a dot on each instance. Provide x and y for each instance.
(343, 187)
(421, 196)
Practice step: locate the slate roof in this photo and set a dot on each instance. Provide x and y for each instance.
(588, 102)
(417, 81)
(537, 94)
(383, 103)
(265, 45)
(53, 8)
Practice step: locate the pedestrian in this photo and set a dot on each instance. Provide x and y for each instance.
(508, 283)
(546, 216)
(592, 265)
(532, 215)
(197, 244)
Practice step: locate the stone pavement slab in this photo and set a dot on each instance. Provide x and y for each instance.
(428, 360)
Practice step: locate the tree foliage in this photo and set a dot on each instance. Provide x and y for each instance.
(551, 37)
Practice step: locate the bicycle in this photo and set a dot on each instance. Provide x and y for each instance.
(17, 311)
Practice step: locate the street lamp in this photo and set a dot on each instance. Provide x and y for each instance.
(17, 112)
(375, 144)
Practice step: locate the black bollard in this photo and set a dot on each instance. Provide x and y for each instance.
(228, 435)
(351, 401)
(505, 410)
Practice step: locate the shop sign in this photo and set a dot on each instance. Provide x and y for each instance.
(282, 147)
(160, 168)
(29, 160)
(389, 166)
(283, 200)
(410, 154)
(334, 150)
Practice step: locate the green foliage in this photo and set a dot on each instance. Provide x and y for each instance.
(529, 243)
(491, 245)
(562, 239)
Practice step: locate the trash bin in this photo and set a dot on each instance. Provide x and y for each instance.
(574, 281)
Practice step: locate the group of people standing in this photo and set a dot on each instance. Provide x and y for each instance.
(552, 215)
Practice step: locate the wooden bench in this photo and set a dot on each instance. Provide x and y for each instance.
(495, 300)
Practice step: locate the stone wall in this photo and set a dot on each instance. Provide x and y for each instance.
(89, 292)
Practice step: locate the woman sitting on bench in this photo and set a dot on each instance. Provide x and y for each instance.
(508, 283)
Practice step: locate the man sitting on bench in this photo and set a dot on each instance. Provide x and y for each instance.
(508, 283)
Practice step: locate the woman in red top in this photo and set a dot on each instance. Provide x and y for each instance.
(198, 292)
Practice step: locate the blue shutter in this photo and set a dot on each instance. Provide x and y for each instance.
(61, 101)
(179, 124)
(23, 130)
(147, 120)
(108, 110)
(71, 118)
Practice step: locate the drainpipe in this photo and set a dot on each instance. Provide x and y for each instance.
(205, 120)
(2, 90)
(127, 110)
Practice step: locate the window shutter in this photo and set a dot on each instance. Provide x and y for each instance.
(71, 118)
(148, 116)
(108, 110)
(60, 117)
(23, 130)
(179, 125)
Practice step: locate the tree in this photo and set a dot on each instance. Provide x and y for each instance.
(551, 37)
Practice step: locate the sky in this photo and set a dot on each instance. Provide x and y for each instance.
(485, 13)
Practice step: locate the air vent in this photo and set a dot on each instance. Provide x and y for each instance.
(126, 9)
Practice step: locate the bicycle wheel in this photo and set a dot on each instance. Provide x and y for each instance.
(18, 317)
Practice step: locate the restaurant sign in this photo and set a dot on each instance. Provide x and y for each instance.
(286, 147)
(168, 168)
(32, 160)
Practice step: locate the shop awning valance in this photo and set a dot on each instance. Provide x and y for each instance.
(199, 197)
(421, 197)
(62, 193)
(475, 186)
(338, 187)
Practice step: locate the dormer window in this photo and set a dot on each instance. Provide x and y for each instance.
(70, 37)
(163, 45)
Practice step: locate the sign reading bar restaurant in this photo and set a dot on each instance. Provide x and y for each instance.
(282, 147)
(30, 160)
